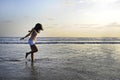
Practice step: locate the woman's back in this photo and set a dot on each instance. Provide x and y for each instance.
(33, 35)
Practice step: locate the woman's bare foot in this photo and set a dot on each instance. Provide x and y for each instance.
(26, 55)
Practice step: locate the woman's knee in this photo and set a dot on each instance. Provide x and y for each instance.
(34, 48)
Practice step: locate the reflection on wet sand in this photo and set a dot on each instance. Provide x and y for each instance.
(62, 62)
(34, 73)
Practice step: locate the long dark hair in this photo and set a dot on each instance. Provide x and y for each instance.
(38, 27)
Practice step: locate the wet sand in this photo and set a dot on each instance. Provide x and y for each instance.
(61, 62)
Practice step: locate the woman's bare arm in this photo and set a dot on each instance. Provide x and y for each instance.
(27, 35)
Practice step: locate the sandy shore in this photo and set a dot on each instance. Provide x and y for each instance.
(61, 62)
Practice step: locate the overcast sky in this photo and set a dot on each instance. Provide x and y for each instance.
(61, 18)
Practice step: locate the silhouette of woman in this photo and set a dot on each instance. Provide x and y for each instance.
(33, 34)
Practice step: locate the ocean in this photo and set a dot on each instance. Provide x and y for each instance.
(61, 58)
(62, 40)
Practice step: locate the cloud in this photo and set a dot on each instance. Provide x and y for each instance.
(86, 25)
(5, 21)
(50, 18)
(97, 2)
(73, 2)
(27, 17)
(113, 25)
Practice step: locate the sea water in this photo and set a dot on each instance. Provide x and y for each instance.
(59, 61)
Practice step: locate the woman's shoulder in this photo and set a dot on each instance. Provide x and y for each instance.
(34, 31)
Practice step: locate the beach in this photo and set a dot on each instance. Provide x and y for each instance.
(76, 39)
(61, 62)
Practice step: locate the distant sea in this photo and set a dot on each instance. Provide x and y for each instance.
(63, 40)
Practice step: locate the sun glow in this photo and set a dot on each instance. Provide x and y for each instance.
(68, 18)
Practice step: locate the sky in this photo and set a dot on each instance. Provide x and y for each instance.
(60, 18)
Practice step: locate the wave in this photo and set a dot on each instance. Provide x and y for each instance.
(63, 42)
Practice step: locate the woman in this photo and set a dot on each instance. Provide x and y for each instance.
(33, 34)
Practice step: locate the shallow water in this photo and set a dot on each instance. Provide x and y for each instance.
(61, 62)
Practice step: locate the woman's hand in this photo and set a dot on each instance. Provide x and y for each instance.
(22, 38)
(29, 31)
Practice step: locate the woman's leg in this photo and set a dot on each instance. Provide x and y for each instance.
(32, 57)
(33, 50)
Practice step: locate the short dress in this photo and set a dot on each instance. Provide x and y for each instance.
(31, 42)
